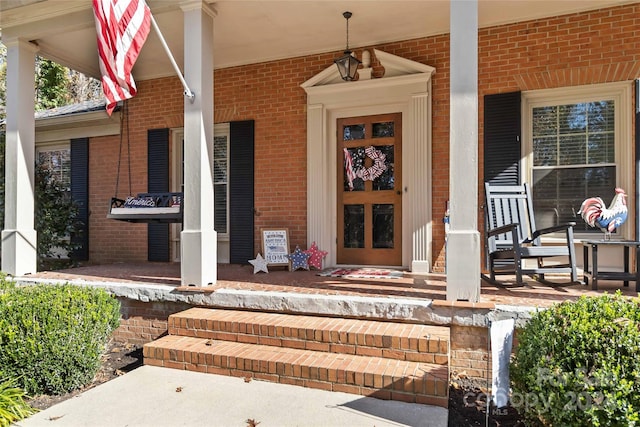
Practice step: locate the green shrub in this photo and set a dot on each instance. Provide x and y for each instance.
(52, 336)
(12, 405)
(578, 364)
(5, 283)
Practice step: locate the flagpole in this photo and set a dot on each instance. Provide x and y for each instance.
(187, 92)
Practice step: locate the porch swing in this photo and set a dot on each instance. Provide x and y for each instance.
(144, 207)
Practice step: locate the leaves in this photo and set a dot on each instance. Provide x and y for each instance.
(52, 336)
(576, 363)
(12, 405)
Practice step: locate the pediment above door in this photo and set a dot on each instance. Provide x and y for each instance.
(394, 66)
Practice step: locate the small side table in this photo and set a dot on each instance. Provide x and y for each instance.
(626, 276)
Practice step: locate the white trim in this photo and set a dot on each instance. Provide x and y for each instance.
(621, 94)
(64, 144)
(78, 125)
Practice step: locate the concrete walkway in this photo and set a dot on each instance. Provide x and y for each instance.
(152, 396)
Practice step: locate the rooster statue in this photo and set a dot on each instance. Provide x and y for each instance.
(596, 214)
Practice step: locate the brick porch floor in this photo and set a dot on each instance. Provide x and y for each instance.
(431, 286)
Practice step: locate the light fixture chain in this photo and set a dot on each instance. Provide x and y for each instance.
(347, 15)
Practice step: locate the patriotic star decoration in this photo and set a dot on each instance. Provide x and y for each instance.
(315, 256)
(299, 260)
(259, 264)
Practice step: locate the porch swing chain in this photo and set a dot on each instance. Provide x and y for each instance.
(125, 114)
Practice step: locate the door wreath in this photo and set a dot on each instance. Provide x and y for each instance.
(378, 167)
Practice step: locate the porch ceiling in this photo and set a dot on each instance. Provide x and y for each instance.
(256, 31)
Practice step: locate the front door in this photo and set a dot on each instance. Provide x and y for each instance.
(370, 190)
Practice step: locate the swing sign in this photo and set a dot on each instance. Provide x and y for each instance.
(275, 246)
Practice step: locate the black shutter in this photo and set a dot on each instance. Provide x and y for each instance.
(80, 196)
(241, 181)
(502, 142)
(158, 182)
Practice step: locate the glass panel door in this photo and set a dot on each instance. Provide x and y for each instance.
(370, 190)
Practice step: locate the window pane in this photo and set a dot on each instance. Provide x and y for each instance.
(573, 150)
(58, 162)
(220, 147)
(352, 132)
(220, 171)
(601, 116)
(357, 156)
(386, 180)
(220, 180)
(572, 119)
(383, 226)
(545, 151)
(354, 226)
(545, 121)
(220, 210)
(601, 148)
(558, 193)
(382, 130)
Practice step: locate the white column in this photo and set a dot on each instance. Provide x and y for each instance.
(463, 243)
(198, 239)
(19, 254)
(421, 191)
(318, 181)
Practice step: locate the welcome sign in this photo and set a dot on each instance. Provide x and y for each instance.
(275, 246)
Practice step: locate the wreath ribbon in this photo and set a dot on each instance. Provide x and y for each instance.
(378, 167)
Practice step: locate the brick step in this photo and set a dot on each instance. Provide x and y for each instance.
(383, 378)
(402, 341)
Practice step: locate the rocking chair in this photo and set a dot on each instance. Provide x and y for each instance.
(512, 237)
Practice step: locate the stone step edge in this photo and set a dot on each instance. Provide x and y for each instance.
(387, 379)
(270, 329)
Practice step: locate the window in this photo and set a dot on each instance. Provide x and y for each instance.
(220, 173)
(56, 158)
(221, 178)
(232, 177)
(577, 145)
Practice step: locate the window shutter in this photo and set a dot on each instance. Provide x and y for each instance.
(158, 182)
(502, 142)
(80, 195)
(241, 181)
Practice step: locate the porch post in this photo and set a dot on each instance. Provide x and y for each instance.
(318, 222)
(421, 157)
(198, 252)
(19, 254)
(463, 243)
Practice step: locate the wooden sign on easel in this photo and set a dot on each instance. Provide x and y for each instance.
(275, 246)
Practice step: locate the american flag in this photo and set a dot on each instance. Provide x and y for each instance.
(122, 27)
(348, 168)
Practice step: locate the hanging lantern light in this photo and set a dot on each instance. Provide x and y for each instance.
(348, 63)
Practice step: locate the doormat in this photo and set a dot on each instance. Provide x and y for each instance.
(362, 273)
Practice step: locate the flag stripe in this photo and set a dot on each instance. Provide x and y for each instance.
(122, 27)
(348, 168)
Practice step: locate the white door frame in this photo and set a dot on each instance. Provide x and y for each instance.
(405, 88)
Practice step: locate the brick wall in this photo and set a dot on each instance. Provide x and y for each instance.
(469, 352)
(596, 47)
(143, 322)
